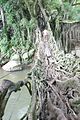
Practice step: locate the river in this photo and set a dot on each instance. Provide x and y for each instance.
(18, 102)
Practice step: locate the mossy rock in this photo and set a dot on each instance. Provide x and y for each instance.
(12, 66)
(15, 57)
(25, 56)
(31, 52)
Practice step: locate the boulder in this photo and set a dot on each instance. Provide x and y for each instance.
(15, 57)
(77, 49)
(12, 66)
(25, 56)
(31, 52)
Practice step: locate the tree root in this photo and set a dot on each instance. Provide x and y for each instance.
(6, 89)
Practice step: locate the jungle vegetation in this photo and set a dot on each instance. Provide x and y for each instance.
(56, 77)
(20, 18)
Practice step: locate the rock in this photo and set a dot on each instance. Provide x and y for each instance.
(77, 49)
(31, 52)
(25, 56)
(73, 52)
(15, 57)
(12, 66)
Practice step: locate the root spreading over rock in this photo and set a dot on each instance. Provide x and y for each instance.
(57, 84)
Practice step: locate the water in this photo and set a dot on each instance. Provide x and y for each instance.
(18, 103)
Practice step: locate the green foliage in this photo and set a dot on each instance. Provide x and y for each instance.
(2, 2)
(64, 8)
(18, 28)
(20, 19)
(51, 5)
